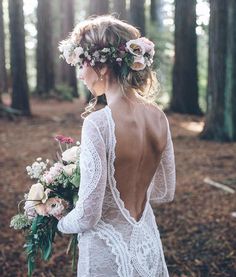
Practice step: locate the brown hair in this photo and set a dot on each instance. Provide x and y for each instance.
(104, 30)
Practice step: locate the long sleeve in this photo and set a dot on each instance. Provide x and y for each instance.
(163, 189)
(93, 170)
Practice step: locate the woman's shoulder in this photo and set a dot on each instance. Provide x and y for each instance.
(157, 114)
(158, 123)
(98, 119)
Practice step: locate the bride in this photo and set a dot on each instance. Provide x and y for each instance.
(127, 158)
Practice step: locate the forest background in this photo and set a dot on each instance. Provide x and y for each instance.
(195, 61)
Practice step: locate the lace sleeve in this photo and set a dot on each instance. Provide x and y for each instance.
(165, 177)
(93, 168)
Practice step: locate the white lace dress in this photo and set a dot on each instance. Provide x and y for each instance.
(111, 242)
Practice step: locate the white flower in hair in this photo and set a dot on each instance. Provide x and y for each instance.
(96, 54)
(92, 63)
(106, 50)
(140, 50)
(78, 51)
(103, 59)
(67, 49)
(149, 62)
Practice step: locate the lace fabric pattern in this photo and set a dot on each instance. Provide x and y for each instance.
(111, 241)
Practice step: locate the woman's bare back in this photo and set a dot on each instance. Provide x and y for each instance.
(141, 135)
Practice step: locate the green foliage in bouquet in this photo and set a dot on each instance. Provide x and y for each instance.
(54, 195)
(40, 238)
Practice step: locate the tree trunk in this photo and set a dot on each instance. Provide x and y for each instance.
(156, 13)
(3, 72)
(185, 83)
(119, 6)
(98, 7)
(153, 11)
(67, 72)
(230, 90)
(45, 66)
(20, 98)
(214, 125)
(137, 14)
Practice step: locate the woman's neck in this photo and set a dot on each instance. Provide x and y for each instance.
(115, 94)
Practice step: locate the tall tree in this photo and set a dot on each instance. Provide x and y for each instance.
(137, 14)
(20, 99)
(185, 83)
(45, 66)
(230, 90)
(3, 73)
(119, 6)
(98, 7)
(153, 11)
(156, 12)
(221, 100)
(67, 73)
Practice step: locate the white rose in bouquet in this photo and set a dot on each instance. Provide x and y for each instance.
(71, 155)
(35, 199)
(36, 193)
(30, 211)
(69, 169)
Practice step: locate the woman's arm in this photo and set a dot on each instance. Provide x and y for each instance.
(165, 177)
(93, 169)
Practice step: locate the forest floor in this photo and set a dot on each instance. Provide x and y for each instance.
(197, 229)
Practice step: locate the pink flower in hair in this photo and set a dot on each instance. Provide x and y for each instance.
(148, 46)
(135, 47)
(140, 46)
(138, 64)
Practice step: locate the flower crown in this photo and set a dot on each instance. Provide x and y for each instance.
(135, 54)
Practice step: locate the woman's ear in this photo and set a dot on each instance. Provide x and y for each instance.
(104, 70)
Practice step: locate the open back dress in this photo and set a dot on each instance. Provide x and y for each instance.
(111, 242)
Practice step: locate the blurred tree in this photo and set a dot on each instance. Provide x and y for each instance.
(153, 10)
(156, 13)
(20, 99)
(221, 92)
(185, 83)
(119, 6)
(67, 72)
(45, 66)
(230, 90)
(98, 7)
(137, 14)
(3, 73)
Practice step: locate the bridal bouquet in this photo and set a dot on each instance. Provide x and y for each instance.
(54, 194)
